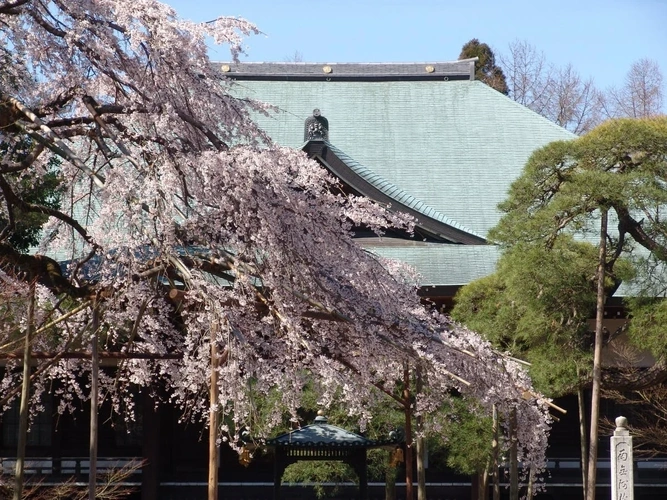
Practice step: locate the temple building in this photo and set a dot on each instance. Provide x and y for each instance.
(426, 139)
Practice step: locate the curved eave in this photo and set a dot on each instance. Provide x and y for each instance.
(366, 183)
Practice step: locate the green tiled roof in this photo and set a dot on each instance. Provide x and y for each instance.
(395, 192)
(454, 145)
(443, 264)
(448, 149)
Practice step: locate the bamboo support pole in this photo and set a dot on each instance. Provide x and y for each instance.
(213, 449)
(597, 361)
(495, 447)
(25, 399)
(94, 396)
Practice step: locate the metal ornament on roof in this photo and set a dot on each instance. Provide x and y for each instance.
(316, 127)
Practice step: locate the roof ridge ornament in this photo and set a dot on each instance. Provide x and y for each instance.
(321, 418)
(316, 127)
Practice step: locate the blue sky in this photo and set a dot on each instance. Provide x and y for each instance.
(600, 38)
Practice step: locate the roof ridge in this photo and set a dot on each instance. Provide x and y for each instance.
(448, 70)
(357, 63)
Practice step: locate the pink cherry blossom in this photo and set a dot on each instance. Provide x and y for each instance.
(169, 185)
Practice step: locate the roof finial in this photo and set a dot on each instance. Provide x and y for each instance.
(321, 419)
(316, 127)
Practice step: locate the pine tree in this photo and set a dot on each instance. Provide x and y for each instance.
(486, 69)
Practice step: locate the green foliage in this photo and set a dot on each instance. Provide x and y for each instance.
(318, 472)
(538, 301)
(536, 305)
(620, 165)
(486, 69)
(648, 324)
(469, 437)
(44, 192)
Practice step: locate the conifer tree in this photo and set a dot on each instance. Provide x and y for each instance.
(486, 69)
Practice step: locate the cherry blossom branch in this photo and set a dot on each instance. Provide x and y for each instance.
(14, 199)
(7, 168)
(8, 7)
(51, 140)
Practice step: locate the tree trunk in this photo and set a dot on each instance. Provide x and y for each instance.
(213, 422)
(495, 447)
(25, 400)
(531, 483)
(582, 438)
(597, 362)
(409, 493)
(94, 398)
(483, 482)
(514, 461)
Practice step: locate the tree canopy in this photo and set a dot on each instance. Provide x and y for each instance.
(183, 226)
(486, 69)
(546, 277)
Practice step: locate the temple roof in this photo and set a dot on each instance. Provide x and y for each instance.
(446, 148)
(322, 434)
(454, 145)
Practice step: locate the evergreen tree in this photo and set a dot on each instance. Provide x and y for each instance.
(486, 69)
(538, 301)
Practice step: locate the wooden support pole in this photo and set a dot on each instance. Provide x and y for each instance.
(421, 442)
(213, 449)
(597, 362)
(495, 448)
(25, 399)
(94, 398)
(514, 459)
(583, 438)
(409, 473)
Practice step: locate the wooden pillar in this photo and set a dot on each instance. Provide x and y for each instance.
(474, 487)
(495, 446)
(360, 467)
(420, 441)
(279, 467)
(583, 440)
